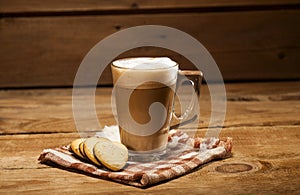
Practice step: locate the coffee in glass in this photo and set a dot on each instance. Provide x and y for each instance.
(144, 90)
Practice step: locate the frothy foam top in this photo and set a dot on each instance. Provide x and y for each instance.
(131, 72)
(145, 63)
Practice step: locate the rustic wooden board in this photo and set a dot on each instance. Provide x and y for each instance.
(50, 110)
(15, 6)
(262, 119)
(265, 160)
(46, 51)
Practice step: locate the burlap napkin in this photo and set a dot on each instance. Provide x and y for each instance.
(178, 161)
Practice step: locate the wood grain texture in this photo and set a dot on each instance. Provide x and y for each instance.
(271, 152)
(262, 118)
(248, 104)
(15, 6)
(46, 51)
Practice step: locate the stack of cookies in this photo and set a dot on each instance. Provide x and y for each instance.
(101, 152)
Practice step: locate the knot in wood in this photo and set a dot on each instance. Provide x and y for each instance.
(234, 168)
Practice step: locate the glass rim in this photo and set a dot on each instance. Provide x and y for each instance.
(134, 69)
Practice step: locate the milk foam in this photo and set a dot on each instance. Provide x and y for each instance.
(145, 63)
(131, 72)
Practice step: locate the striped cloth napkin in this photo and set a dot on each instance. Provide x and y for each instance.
(179, 160)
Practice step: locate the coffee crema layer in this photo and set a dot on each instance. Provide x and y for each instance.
(139, 104)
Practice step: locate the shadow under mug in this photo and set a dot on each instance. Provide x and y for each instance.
(144, 101)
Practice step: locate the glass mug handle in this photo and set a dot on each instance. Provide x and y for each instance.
(193, 78)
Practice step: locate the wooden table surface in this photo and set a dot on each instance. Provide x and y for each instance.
(262, 118)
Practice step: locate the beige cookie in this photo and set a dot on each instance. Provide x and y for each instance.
(112, 155)
(88, 148)
(75, 147)
(81, 150)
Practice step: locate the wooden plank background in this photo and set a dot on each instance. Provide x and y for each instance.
(19, 6)
(43, 43)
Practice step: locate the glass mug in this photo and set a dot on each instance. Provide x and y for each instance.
(143, 96)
